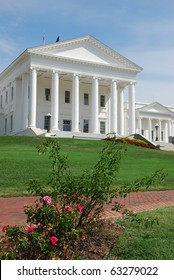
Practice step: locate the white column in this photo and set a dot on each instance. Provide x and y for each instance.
(131, 108)
(15, 106)
(149, 129)
(139, 125)
(75, 103)
(32, 97)
(159, 132)
(24, 101)
(170, 127)
(95, 105)
(55, 101)
(120, 111)
(166, 132)
(113, 104)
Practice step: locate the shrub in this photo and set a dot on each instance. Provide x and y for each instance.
(70, 209)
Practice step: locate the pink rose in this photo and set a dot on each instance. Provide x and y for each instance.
(83, 236)
(46, 199)
(75, 194)
(53, 240)
(4, 228)
(30, 228)
(80, 207)
(68, 208)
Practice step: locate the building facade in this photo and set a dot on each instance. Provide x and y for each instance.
(76, 87)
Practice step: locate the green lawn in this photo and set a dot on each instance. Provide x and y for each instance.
(19, 162)
(154, 243)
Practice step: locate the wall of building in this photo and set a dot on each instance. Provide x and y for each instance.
(65, 109)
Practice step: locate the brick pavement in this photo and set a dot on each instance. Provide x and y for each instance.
(11, 209)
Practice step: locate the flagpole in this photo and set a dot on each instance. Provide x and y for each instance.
(43, 38)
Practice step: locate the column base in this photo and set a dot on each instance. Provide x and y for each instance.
(55, 129)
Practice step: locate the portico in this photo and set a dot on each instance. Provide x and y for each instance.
(80, 82)
(155, 122)
(111, 111)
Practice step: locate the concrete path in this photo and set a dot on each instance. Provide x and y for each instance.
(11, 209)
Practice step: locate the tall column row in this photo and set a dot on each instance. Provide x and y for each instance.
(116, 111)
(154, 129)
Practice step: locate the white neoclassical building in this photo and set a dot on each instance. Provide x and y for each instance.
(76, 88)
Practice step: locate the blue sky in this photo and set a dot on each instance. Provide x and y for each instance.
(141, 30)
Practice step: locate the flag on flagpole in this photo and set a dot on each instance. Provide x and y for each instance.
(58, 38)
(43, 38)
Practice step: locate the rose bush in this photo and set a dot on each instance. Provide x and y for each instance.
(70, 209)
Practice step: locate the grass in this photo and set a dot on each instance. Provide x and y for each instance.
(19, 162)
(154, 243)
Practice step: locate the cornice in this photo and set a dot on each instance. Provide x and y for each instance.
(84, 62)
(92, 41)
(164, 110)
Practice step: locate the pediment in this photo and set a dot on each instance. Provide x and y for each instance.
(86, 49)
(155, 108)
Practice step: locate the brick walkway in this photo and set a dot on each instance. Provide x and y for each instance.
(11, 209)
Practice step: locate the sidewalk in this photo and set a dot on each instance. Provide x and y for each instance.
(11, 209)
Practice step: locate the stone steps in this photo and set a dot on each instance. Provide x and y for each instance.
(165, 146)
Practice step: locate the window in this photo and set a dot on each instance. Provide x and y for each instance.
(12, 93)
(102, 101)
(47, 122)
(162, 135)
(1, 106)
(67, 96)
(6, 97)
(66, 125)
(142, 132)
(102, 127)
(152, 134)
(86, 126)
(11, 122)
(86, 99)
(47, 94)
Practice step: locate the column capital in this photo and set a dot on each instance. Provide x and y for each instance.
(132, 83)
(115, 81)
(55, 71)
(76, 75)
(95, 78)
(34, 68)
